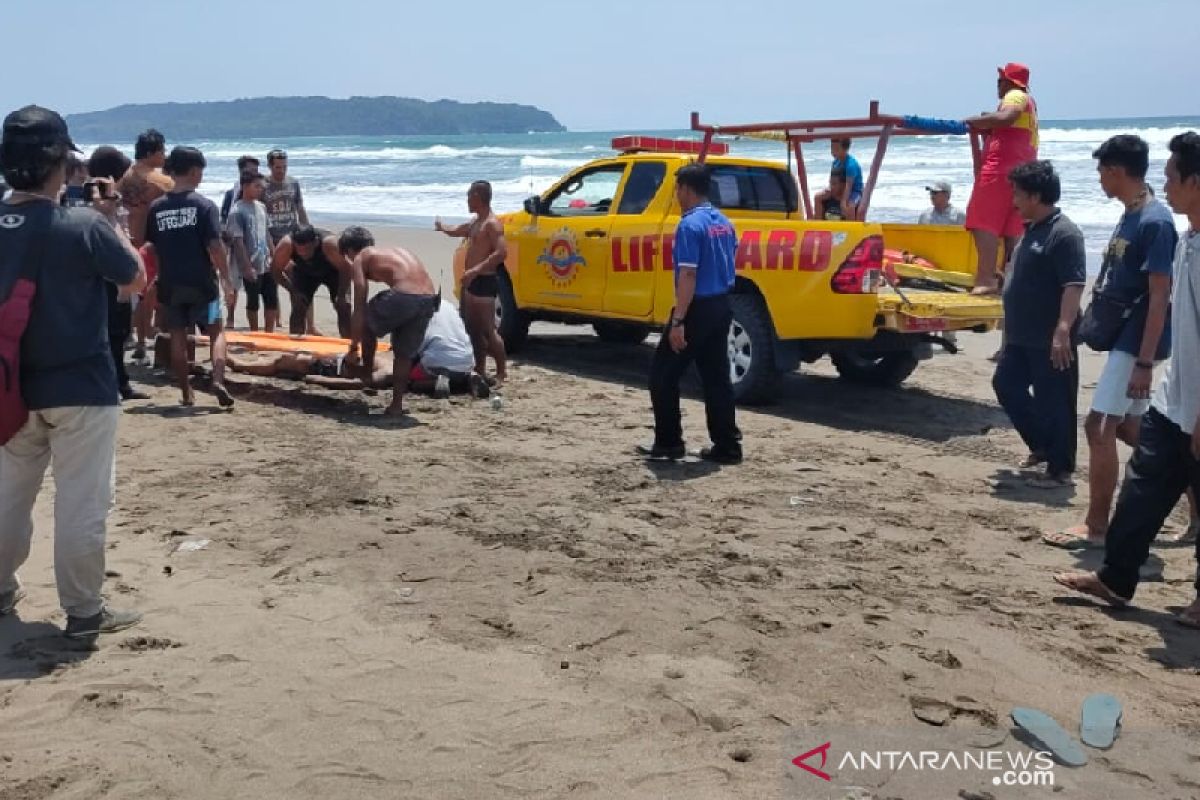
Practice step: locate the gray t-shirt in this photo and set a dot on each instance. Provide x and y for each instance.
(65, 359)
(283, 202)
(951, 216)
(248, 222)
(1178, 397)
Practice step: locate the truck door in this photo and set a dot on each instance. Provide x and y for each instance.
(565, 261)
(638, 250)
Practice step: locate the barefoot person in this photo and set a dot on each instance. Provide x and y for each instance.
(184, 229)
(246, 230)
(67, 380)
(402, 310)
(1136, 270)
(486, 251)
(141, 185)
(1037, 379)
(1012, 139)
(302, 263)
(1167, 459)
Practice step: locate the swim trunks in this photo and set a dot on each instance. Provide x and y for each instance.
(485, 286)
(404, 316)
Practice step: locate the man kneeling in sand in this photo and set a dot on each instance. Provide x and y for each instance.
(444, 365)
(402, 310)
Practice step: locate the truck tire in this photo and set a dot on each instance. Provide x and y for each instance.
(752, 351)
(621, 332)
(887, 370)
(511, 322)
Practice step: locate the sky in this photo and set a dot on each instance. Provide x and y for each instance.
(620, 64)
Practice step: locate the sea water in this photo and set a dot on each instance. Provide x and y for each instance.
(410, 180)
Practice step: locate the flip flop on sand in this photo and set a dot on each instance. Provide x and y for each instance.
(1032, 461)
(1048, 481)
(1184, 539)
(1100, 721)
(1190, 617)
(1076, 537)
(1049, 734)
(1090, 584)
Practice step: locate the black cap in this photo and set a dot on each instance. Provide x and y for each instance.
(34, 125)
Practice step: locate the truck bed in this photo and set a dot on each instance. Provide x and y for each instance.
(937, 311)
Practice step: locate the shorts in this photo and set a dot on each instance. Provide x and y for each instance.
(307, 283)
(263, 286)
(403, 316)
(184, 315)
(485, 286)
(991, 206)
(1112, 390)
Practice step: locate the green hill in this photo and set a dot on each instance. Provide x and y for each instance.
(266, 117)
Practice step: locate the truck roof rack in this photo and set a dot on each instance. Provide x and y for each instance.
(799, 132)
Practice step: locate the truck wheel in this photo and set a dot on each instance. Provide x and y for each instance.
(511, 322)
(752, 351)
(621, 332)
(889, 369)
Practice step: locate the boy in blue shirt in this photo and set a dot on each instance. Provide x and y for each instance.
(849, 192)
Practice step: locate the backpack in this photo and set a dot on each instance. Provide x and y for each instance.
(15, 309)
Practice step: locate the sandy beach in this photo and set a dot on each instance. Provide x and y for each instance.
(508, 604)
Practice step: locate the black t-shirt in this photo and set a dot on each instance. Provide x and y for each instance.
(319, 264)
(65, 360)
(1050, 257)
(181, 226)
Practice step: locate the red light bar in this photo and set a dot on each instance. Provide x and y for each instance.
(653, 144)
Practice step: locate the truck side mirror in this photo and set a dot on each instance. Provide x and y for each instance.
(533, 205)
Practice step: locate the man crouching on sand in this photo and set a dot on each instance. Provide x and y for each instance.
(402, 310)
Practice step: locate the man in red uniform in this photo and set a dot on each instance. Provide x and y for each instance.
(1012, 139)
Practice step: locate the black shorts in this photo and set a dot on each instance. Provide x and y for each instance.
(265, 288)
(404, 316)
(307, 282)
(485, 286)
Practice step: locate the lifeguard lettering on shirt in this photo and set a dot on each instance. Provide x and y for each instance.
(757, 250)
(174, 218)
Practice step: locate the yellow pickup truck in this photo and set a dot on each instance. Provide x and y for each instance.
(596, 248)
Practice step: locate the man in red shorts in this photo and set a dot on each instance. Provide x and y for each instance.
(1012, 140)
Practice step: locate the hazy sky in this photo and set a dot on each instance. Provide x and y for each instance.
(619, 64)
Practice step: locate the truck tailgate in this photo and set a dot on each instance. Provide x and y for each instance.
(919, 310)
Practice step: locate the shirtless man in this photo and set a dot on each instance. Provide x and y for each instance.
(402, 310)
(303, 262)
(143, 183)
(486, 251)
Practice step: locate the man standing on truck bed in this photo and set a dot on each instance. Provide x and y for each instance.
(1012, 140)
(705, 248)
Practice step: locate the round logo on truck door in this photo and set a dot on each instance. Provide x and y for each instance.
(561, 257)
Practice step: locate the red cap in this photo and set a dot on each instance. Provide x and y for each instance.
(1017, 73)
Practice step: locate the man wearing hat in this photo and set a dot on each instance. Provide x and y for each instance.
(942, 213)
(1012, 139)
(67, 379)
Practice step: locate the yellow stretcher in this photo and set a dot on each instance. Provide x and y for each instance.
(286, 343)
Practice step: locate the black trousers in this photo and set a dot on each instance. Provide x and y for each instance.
(1160, 471)
(1041, 402)
(120, 324)
(706, 328)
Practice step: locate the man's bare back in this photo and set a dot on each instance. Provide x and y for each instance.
(139, 187)
(398, 269)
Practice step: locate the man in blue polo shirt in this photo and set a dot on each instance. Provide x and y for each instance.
(705, 247)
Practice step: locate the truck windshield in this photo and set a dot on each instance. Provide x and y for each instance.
(587, 194)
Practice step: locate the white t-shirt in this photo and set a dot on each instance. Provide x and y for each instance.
(447, 345)
(1178, 397)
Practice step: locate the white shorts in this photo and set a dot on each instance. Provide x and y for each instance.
(1112, 390)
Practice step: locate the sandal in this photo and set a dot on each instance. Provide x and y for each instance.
(1048, 480)
(1095, 587)
(1074, 538)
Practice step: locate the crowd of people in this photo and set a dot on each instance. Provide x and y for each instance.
(151, 252)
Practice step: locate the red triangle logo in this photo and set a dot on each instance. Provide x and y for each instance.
(820, 773)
